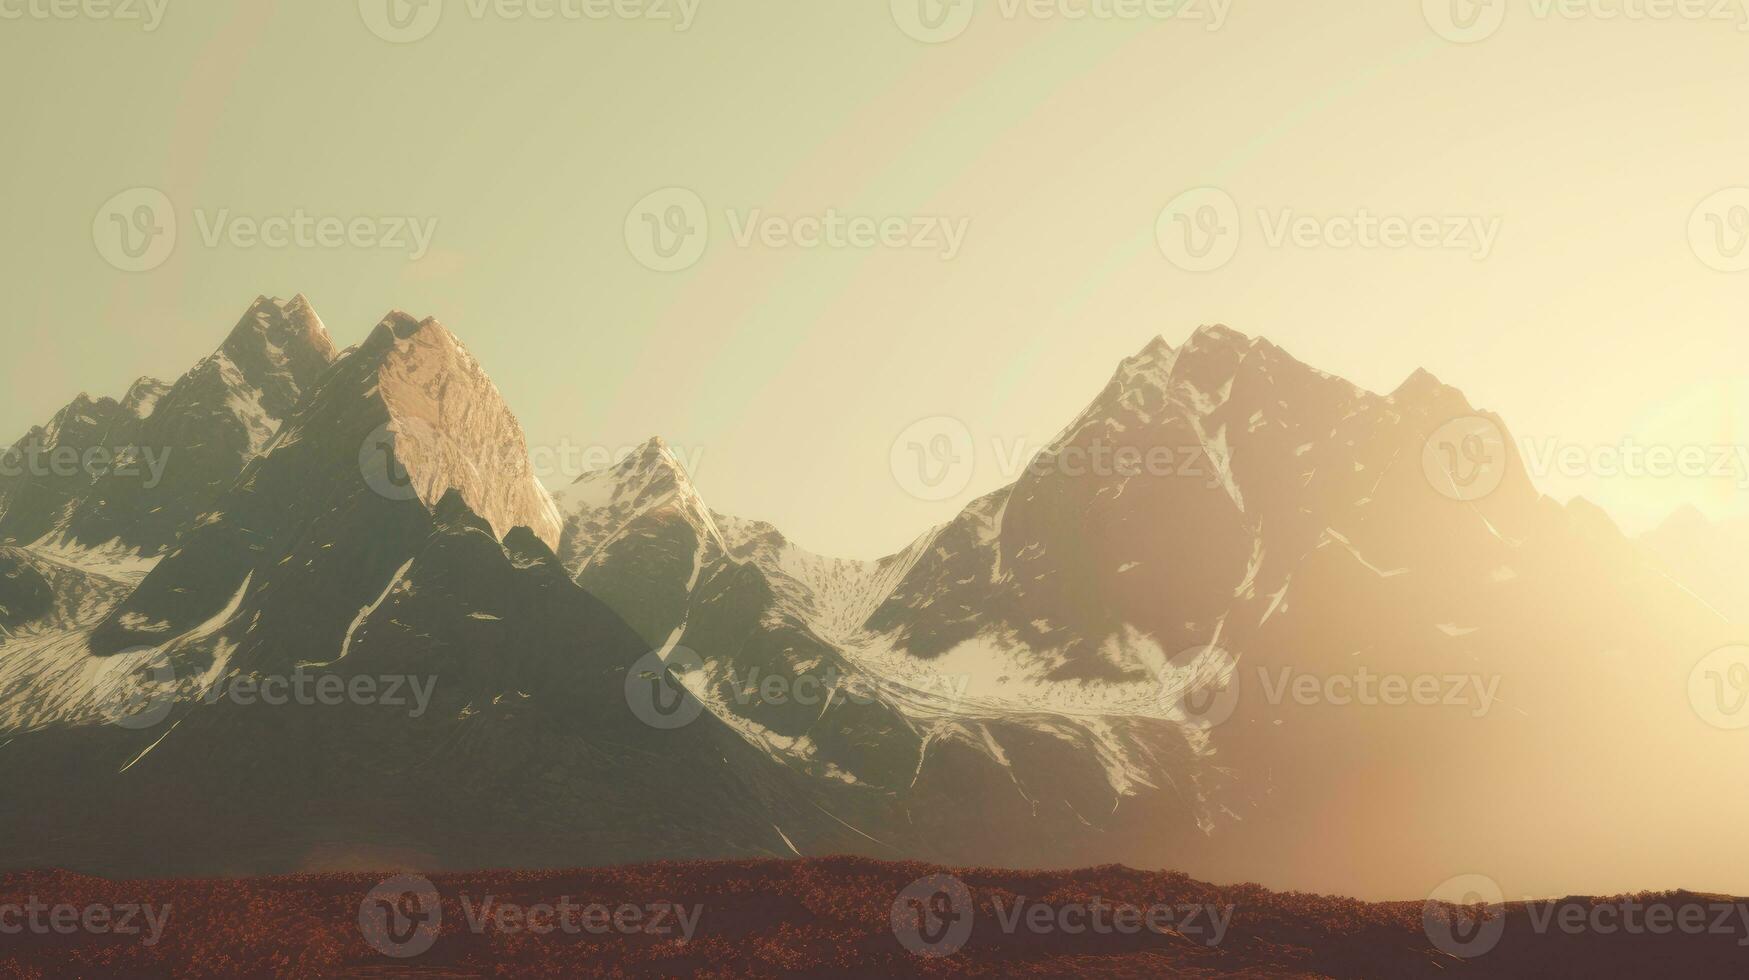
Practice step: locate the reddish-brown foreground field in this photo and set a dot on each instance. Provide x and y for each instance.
(829, 917)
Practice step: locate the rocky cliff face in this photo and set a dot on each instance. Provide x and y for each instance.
(452, 430)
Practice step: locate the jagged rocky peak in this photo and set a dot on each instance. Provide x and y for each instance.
(279, 346)
(1421, 389)
(203, 430)
(1209, 359)
(79, 419)
(646, 477)
(649, 484)
(1160, 381)
(143, 397)
(1156, 354)
(656, 460)
(452, 429)
(290, 327)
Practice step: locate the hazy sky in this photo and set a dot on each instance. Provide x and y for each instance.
(785, 373)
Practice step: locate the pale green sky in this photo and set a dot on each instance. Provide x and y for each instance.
(787, 373)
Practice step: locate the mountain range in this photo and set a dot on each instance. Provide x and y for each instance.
(1160, 667)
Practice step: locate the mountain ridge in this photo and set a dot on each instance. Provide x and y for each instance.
(1044, 660)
